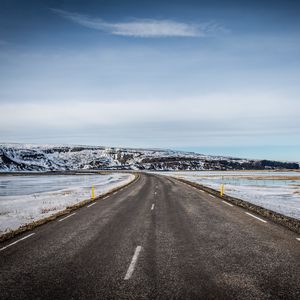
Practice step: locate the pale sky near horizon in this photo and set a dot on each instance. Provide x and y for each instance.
(215, 77)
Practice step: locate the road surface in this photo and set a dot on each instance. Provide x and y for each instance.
(155, 239)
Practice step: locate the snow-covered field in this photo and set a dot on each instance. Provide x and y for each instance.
(24, 199)
(277, 191)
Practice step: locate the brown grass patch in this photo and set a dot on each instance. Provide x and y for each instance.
(45, 210)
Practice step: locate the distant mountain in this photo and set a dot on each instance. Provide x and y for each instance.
(22, 157)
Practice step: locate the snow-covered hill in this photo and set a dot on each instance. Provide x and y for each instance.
(24, 157)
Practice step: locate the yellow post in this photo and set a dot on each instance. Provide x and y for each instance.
(93, 192)
(222, 189)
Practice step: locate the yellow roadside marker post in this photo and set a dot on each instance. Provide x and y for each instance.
(222, 189)
(93, 192)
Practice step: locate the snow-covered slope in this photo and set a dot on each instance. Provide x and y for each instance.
(26, 157)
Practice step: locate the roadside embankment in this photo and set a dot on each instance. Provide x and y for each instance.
(53, 207)
(289, 222)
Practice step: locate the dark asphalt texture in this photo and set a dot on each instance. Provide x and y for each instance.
(193, 247)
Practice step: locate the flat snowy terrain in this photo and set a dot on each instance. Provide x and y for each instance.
(24, 199)
(277, 191)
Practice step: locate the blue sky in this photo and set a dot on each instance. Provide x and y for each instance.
(218, 77)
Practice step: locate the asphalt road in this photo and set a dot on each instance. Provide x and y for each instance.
(155, 239)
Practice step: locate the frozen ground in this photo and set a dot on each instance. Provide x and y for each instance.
(277, 191)
(24, 199)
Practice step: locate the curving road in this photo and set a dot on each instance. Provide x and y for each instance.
(156, 239)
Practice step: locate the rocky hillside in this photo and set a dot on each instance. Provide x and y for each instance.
(20, 157)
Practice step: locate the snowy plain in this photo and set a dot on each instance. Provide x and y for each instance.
(277, 191)
(24, 199)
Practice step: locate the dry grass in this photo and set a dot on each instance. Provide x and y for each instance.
(272, 177)
(45, 210)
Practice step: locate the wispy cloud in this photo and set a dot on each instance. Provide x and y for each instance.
(144, 28)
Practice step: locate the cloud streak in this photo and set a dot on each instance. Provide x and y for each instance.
(144, 28)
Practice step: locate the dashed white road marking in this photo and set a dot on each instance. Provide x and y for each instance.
(152, 207)
(133, 263)
(256, 217)
(23, 238)
(298, 239)
(201, 191)
(212, 196)
(66, 217)
(227, 203)
(92, 204)
(105, 197)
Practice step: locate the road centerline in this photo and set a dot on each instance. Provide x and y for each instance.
(17, 241)
(133, 263)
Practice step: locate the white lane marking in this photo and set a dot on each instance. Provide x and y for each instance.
(23, 238)
(201, 191)
(114, 193)
(256, 217)
(105, 197)
(298, 239)
(212, 196)
(133, 263)
(152, 207)
(67, 217)
(92, 204)
(227, 203)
